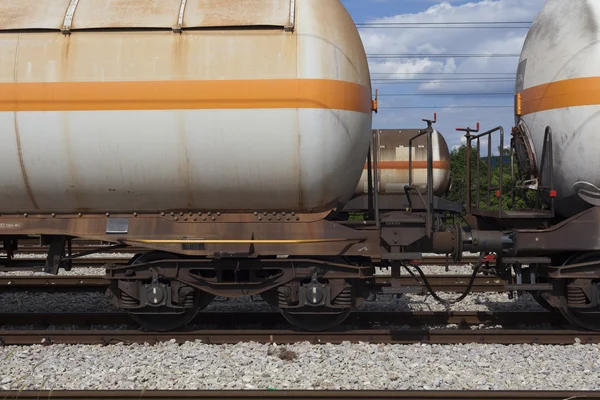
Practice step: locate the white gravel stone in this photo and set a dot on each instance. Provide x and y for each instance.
(195, 365)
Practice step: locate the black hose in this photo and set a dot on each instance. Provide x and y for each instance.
(438, 298)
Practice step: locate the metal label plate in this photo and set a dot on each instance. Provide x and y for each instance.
(117, 225)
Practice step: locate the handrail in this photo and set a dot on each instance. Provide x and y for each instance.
(469, 139)
(547, 162)
(429, 203)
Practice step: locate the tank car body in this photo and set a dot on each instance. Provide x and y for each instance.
(394, 162)
(558, 85)
(253, 105)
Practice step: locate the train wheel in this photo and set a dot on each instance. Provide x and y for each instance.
(163, 319)
(316, 320)
(576, 305)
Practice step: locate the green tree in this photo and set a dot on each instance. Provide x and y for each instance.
(512, 198)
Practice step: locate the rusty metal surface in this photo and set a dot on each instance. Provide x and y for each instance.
(211, 13)
(126, 14)
(579, 233)
(155, 226)
(32, 14)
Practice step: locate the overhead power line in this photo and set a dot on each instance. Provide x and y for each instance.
(493, 55)
(440, 79)
(444, 73)
(447, 25)
(445, 94)
(446, 107)
(445, 82)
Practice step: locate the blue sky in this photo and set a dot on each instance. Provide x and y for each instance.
(446, 83)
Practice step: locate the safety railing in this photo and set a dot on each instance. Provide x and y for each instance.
(498, 190)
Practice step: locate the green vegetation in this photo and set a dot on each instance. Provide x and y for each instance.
(523, 199)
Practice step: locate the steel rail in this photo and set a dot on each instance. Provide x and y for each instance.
(375, 336)
(66, 283)
(294, 395)
(268, 318)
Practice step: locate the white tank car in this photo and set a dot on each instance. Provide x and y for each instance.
(558, 85)
(393, 162)
(144, 105)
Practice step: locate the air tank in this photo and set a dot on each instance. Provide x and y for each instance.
(558, 86)
(145, 105)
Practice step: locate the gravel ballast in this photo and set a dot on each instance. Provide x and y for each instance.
(194, 365)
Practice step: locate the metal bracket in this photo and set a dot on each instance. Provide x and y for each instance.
(292, 25)
(68, 21)
(178, 28)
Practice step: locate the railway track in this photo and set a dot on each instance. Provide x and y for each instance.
(65, 283)
(296, 395)
(228, 336)
(272, 319)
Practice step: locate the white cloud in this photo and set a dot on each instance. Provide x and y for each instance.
(449, 41)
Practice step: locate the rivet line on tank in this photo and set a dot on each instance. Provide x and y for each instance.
(25, 215)
(172, 214)
(135, 214)
(297, 218)
(200, 214)
(209, 213)
(269, 218)
(108, 214)
(176, 218)
(283, 213)
(203, 218)
(190, 214)
(181, 214)
(260, 218)
(213, 218)
(79, 215)
(185, 218)
(293, 214)
(195, 219)
(278, 218)
(218, 213)
(162, 214)
(265, 213)
(53, 215)
(255, 213)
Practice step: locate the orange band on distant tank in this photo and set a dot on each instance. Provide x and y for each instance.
(173, 95)
(404, 165)
(568, 93)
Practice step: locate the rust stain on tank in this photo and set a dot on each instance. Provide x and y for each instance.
(179, 57)
(22, 163)
(64, 117)
(32, 14)
(18, 136)
(126, 13)
(239, 13)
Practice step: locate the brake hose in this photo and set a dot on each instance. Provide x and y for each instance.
(438, 298)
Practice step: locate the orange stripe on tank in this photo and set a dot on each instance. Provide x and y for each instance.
(567, 93)
(403, 165)
(189, 95)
